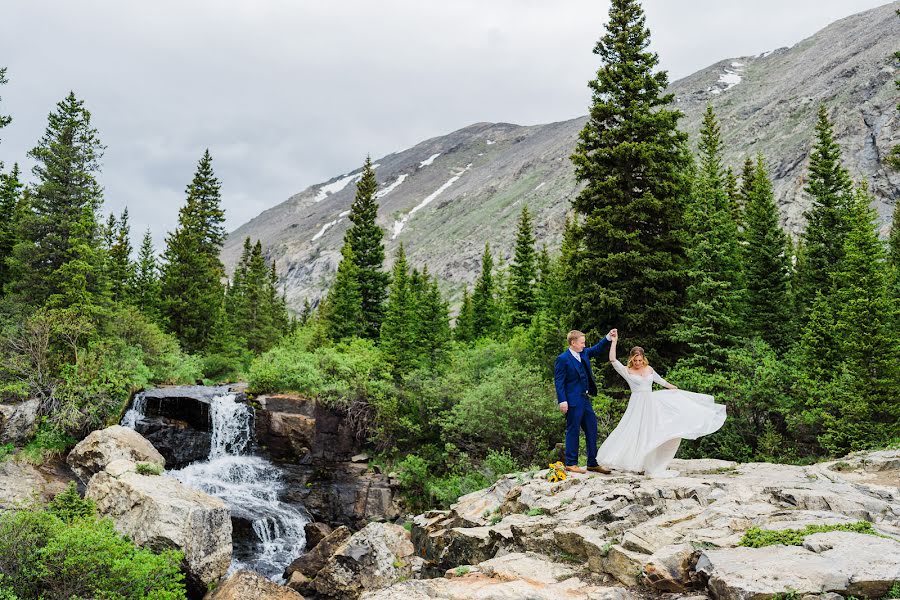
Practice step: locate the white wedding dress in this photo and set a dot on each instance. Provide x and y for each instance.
(654, 424)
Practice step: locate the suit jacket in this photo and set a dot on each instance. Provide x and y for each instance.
(571, 379)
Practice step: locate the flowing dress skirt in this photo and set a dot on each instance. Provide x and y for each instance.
(652, 428)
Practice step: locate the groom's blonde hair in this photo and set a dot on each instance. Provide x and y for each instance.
(573, 335)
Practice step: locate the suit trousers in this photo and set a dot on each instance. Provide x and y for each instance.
(580, 417)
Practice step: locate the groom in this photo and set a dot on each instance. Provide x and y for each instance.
(574, 387)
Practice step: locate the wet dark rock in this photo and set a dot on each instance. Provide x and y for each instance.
(315, 533)
(178, 442)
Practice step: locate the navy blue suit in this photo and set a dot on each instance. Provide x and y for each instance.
(575, 384)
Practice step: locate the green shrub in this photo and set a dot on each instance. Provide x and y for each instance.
(512, 408)
(145, 468)
(69, 505)
(757, 538)
(49, 441)
(41, 556)
(6, 450)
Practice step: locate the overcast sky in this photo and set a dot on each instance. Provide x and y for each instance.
(290, 93)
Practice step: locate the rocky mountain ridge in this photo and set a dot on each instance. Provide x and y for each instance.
(445, 197)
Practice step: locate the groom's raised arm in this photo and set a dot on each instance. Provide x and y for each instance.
(599, 347)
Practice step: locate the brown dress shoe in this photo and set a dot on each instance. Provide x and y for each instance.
(575, 469)
(600, 469)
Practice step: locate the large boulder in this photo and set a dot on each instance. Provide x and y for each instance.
(18, 421)
(247, 585)
(101, 447)
(375, 557)
(21, 483)
(177, 441)
(310, 563)
(159, 512)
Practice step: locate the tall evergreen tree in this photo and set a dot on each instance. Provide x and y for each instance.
(829, 188)
(122, 269)
(368, 249)
(10, 215)
(734, 198)
(766, 263)
(858, 410)
(343, 306)
(464, 331)
(306, 312)
(711, 322)
(145, 290)
(523, 274)
(397, 331)
(63, 206)
(485, 312)
(894, 239)
(433, 324)
(192, 273)
(635, 162)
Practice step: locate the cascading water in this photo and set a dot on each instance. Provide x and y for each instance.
(249, 485)
(136, 412)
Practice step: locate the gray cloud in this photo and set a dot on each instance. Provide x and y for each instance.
(287, 94)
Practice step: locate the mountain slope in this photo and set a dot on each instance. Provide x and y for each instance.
(445, 197)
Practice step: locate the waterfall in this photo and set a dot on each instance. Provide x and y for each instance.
(249, 485)
(136, 412)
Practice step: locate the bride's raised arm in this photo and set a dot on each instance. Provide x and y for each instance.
(612, 347)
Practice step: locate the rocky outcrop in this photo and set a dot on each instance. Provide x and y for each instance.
(296, 429)
(679, 533)
(161, 513)
(373, 558)
(18, 421)
(101, 447)
(310, 563)
(21, 483)
(315, 533)
(247, 585)
(511, 577)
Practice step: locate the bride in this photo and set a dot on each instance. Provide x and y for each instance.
(647, 437)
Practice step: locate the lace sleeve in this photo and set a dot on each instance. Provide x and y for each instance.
(658, 379)
(620, 368)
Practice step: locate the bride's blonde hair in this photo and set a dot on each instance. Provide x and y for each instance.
(634, 352)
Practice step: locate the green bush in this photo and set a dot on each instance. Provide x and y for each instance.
(6, 451)
(69, 505)
(758, 538)
(512, 408)
(41, 556)
(756, 388)
(145, 468)
(49, 441)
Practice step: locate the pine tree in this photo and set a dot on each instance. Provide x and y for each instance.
(711, 322)
(368, 249)
(635, 162)
(829, 187)
(121, 268)
(145, 289)
(343, 306)
(397, 339)
(62, 213)
(235, 294)
(433, 318)
(464, 331)
(306, 313)
(894, 239)
(10, 214)
(523, 274)
(734, 198)
(866, 343)
(766, 263)
(191, 288)
(485, 312)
